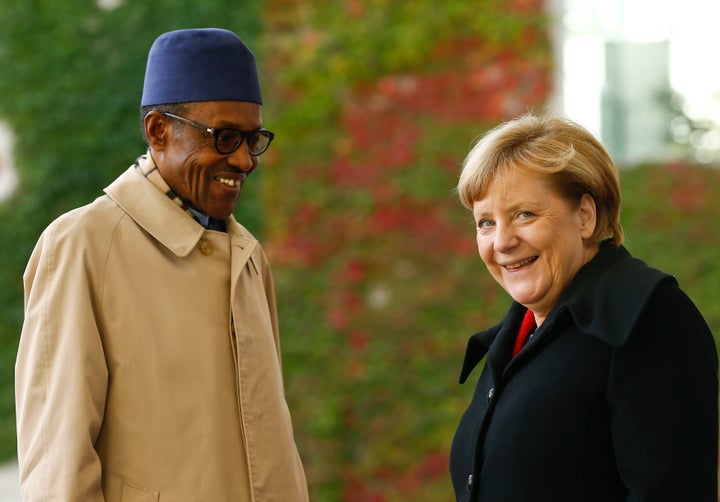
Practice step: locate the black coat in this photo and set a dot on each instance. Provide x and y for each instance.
(614, 398)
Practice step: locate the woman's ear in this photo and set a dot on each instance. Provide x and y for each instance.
(157, 130)
(588, 215)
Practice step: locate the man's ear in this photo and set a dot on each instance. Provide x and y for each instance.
(588, 215)
(157, 130)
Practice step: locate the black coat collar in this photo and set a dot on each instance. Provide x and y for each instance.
(604, 300)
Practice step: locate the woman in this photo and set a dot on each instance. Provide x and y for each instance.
(600, 384)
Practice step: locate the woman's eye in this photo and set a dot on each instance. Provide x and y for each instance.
(526, 214)
(484, 224)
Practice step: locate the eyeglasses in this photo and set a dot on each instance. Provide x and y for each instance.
(228, 140)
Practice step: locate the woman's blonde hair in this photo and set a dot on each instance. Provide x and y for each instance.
(574, 160)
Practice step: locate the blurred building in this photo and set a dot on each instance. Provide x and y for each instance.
(623, 64)
(635, 112)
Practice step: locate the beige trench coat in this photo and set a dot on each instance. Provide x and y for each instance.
(149, 362)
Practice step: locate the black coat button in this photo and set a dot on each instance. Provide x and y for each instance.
(468, 484)
(491, 393)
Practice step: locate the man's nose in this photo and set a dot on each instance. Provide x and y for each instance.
(242, 159)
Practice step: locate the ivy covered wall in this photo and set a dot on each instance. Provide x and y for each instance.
(71, 76)
(375, 104)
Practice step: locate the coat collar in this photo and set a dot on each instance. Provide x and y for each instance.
(167, 222)
(604, 300)
(499, 340)
(609, 294)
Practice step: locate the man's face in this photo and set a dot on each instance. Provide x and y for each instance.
(188, 161)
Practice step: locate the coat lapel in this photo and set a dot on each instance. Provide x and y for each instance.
(155, 212)
(496, 342)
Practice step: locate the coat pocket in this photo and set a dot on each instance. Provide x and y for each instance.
(135, 493)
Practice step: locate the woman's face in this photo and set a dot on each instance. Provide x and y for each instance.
(532, 240)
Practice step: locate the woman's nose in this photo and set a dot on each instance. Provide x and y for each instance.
(505, 238)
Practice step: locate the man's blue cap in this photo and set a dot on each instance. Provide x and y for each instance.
(207, 64)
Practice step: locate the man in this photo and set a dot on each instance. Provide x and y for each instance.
(149, 361)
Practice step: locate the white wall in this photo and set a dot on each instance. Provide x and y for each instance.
(8, 175)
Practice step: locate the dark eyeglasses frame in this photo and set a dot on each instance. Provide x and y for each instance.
(217, 133)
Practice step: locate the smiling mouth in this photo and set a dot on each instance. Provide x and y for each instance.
(519, 264)
(229, 182)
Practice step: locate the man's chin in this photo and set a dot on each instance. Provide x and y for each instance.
(220, 212)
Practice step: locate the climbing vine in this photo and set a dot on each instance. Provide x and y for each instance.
(375, 104)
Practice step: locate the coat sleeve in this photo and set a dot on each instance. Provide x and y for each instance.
(663, 396)
(60, 374)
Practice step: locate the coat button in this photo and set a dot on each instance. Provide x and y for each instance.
(468, 483)
(206, 248)
(491, 393)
